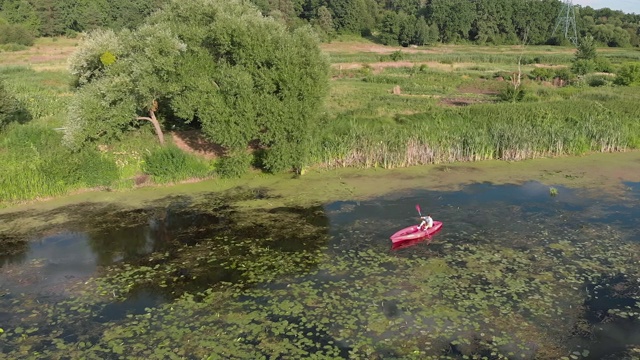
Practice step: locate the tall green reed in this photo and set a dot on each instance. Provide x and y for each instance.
(478, 132)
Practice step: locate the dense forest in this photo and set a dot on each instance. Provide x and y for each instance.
(403, 22)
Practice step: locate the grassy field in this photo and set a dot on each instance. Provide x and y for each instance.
(388, 107)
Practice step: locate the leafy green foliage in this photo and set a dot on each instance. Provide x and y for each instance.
(234, 165)
(542, 73)
(110, 98)
(602, 64)
(170, 164)
(23, 13)
(564, 74)
(611, 35)
(404, 29)
(454, 18)
(85, 63)
(511, 93)
(10, 108)
(583, 66)
(353, 16)
(239, 76)
(587, 49)
(480, 21)
(37, 166)
(15, 34)
(598, 80)
(585, 58)
(87, 168)
(629, 74)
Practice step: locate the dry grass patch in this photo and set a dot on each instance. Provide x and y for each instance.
(380, 66)
(363, 47)
(47, 54)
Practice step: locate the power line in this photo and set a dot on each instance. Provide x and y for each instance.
(567, 22)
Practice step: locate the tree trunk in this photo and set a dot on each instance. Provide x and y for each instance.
(155, 123)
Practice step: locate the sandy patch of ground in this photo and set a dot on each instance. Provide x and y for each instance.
(194, 142)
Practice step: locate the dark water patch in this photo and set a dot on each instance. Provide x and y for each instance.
(612, 293)
(14, 249)
(135, 304)
(613, 312)
(341, 206)
(157, 255)
(313, 215)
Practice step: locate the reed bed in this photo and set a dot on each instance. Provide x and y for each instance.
(451, 58)
(480, 132)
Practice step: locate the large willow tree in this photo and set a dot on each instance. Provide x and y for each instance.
(217, 64)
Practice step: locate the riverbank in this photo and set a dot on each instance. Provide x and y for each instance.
(601, 172)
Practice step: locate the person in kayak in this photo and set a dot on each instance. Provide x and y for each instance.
(427, 222)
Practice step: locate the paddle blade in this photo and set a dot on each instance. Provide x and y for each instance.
(418, 208)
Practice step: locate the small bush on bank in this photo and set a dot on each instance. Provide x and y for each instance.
(234, 165)
(170, 164)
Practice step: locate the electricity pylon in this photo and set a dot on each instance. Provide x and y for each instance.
(567, 22)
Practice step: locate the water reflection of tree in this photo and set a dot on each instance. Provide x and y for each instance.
(131, 241)
(13, 250)
(163, 229)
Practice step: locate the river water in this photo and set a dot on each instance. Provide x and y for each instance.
(516, 272)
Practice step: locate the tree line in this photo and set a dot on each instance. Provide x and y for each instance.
(404, 22)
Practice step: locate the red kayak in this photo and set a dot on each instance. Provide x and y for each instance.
(412, 232)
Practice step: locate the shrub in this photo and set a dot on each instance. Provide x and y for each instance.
(15, 34)
(587, 49)
(628, 74)
(396, 55)
(12, 47)
(543, 74)
(511, 93)
(234, 165)
(170, 164)
(597, 81)
(583, 66)
(10, 108)
(530, 97)
(603, 65)
(563, 74)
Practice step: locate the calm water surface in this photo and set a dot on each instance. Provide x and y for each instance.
(514, 272)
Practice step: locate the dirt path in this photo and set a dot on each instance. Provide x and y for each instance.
(194, 142)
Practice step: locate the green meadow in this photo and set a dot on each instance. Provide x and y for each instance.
(388, 107)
